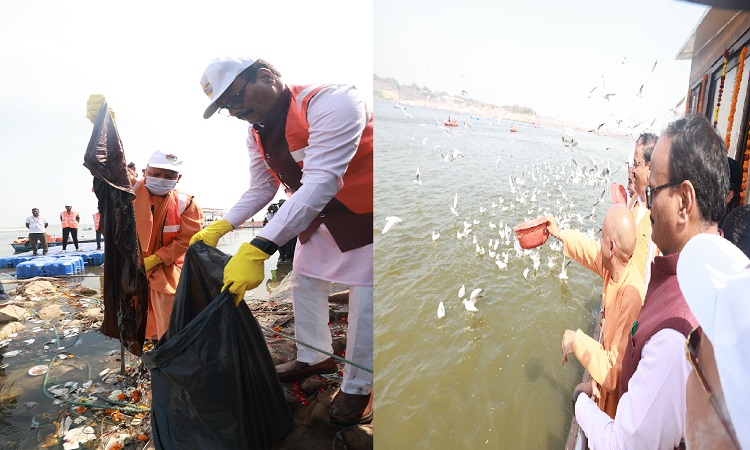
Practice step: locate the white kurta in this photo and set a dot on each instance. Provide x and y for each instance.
(337, 116)
(652, 413)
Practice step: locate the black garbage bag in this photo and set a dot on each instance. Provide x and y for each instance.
(214, 385)
(125, 284)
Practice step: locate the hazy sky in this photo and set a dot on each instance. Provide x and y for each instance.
(546, 54)
(147, 58)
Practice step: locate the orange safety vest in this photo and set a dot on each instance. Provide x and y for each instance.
(174, 213)
(357, 191)
(69, 220)
(96, 221)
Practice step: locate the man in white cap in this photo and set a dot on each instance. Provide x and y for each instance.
(714, 275)
(686, 193)
(317, 142)
(165, 221)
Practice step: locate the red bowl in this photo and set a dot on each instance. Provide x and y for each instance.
(618, 194)
(532, 233)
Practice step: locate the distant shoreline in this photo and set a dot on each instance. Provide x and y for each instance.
(486, 110)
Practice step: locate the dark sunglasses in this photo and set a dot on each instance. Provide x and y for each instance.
(691, 353)
(234, 102)
(650, 192)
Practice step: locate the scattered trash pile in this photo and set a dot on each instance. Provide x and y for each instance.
(63, 384)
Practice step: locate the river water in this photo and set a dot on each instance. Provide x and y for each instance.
(491, 378)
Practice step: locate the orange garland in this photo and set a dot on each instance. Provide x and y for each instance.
(745, 160)
(700, 99)
(735, 94)
(721, 87)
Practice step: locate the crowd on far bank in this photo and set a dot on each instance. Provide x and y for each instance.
(670, 367)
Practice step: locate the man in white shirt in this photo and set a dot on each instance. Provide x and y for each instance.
(37, 231)
(715, 277)
(316, 141)
(686, 191)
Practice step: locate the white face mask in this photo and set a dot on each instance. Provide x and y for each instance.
(159, 186)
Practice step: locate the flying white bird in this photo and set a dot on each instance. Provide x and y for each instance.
(455, 205)
(596, 131)
(448, 157)
(435, 235)
(390, 221)
(564, 272)
(441, 311)
(418, 178)
(469, 304)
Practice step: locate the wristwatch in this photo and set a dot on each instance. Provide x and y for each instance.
(267, 246)
(575, 396)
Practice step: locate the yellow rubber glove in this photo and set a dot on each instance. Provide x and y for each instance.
(244, 271)
(151, 261)
(212, 233)
(95, 103)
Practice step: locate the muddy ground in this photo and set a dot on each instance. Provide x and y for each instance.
(111, 411)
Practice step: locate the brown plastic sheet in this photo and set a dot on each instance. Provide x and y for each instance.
(125, 283)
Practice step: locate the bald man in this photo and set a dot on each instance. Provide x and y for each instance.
(622, 296)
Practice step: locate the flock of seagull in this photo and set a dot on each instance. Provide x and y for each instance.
(541, 188)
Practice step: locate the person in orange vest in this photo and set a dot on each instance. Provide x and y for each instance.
(97, 218)
(316, 140)
(165, 221)
(69, 219)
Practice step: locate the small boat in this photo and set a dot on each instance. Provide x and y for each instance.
(450, 122)
(513, 129)
(22, 243)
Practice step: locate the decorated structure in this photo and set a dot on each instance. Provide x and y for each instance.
(718, 49)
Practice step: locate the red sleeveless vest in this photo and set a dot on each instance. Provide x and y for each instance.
(348, 216)
(665, 307)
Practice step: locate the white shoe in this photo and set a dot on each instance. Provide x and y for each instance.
(62, 251)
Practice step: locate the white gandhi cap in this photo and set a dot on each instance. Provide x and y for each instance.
(162, 160)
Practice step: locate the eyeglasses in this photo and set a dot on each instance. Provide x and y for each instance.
(650, 192)
(691, 353)
(638, 163)
(235, 102)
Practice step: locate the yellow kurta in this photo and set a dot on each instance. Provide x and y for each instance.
(163, 279)
(621, 303)
(641, 255)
